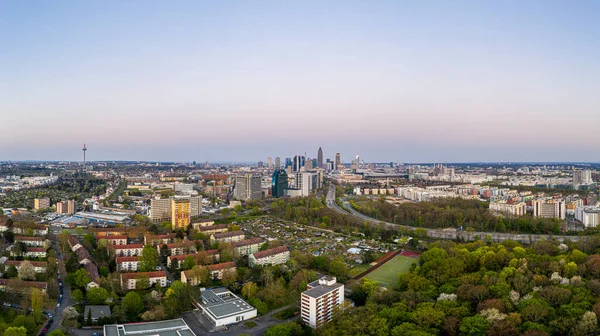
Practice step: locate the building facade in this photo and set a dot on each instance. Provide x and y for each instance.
(279, 183)
(320, 300)
(517, 209)
(248, 187)
(227, 237)
(41, 203)
(552, 208)
(275, 256)
(129, 280)
(247, 247)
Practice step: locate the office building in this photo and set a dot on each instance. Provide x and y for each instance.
(222, 307)
(41, 203)
(269, 162)
(248, 187)
(288, 162)
(277, 162)
(320, 158)
(553, 208)
(66, 207)
(338, 161)
(180, 213)
(582, 177)
(299, 162)
(319, 301)
(279, 183)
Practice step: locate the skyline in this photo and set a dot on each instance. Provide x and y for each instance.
(403, 82)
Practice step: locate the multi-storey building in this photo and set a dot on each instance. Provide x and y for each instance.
(22, 286)
(516, 209)
(248, 187)
(32, 252)
(227, 237)
(589, 216)
(247, 247)
(279, 183)
(126, 250)
(113, 240)
(31, 241)
(216, 273)
(582, 177)
(212, 256)
(66, 207)
(208, 230)
(129, 264)
(38, 266)
(74, 243)
(319, 301)
(180, 213)
(184, 247)
(129, 280)
(159, 239)
(198, 223)
(41, 203)
(160, 209)
(552, 208)
(275, 256)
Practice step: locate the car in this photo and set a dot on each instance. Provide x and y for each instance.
(50, 322)
(60, 283)
(60, 296)
(58, 305)
(5, 304)
(96, 334)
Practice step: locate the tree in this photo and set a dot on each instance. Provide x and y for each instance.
(81, 278)
(132, 305)
(473, 326)
(56, 333)
(226, 250)
(178, 298)
(15, 331)
(188, 263)
(142, 281)
(77, 295)
(249, 290)
(285, 329)
(148, 259)
(229, 277)
(19, 248)
(12, 272)
(37, 303)
(26, 271)
(97, 296)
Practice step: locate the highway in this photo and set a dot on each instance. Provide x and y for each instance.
(452, 234)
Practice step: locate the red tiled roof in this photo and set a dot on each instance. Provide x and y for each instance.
(126, 247)
(110, 237)
(163, 236)
(73, 241)
(37, 284)
(182, 257)
(157, 274)
(126, 259)
(270, 252)
(92, 271)
(17, 238)
(221, 266)
(213, 227)
(247, 242)
(228, 234)
(36, 249)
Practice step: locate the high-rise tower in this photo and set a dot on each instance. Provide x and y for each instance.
(84, 150)
(320, 158)
(338, 161)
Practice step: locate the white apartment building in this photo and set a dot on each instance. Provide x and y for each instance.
(549, 208)
(38, 266)
(129, 280)
(516, 209)
(31, 241)
(32, 252)
(185, 247)
(127, 264)
(319, 300)
(114, 240)
(247, 247)
(275, 256)
(589, 216)
(227, 237)
(127, 250)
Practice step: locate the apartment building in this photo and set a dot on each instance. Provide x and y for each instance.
(31, 241)
(184, 247)
(129, 264)
(247, 247)
(227, 237)
(202, 222)
(319, 301)
(180, 213)
(589, 216)
(127, 250)
(129, 280)
(549, 208)
(32, 252)
(38, 266)
(159, 239)
(66, 207)
(275, 256)
(41, 203)
(113, 240)
(160, 209)
(248, 187)
(209, 230)
(212, 256)
(516, 209)
(216, 273)
(22, 286)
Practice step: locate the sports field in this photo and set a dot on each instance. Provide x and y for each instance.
(387, 274)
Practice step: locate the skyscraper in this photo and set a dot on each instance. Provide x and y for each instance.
(338, 161)
(298, 163)
(269, 162)
(279, 183)
(277, 163)
(288, 162)
(248, 187)
(180, 213)
(320, 158)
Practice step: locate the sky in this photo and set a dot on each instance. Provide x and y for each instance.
(402, 81)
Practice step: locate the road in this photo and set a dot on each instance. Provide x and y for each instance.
(447, 233)
(66, 302)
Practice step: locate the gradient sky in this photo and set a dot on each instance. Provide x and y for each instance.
(407, 81)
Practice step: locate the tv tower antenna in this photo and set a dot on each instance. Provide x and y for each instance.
(84, 149)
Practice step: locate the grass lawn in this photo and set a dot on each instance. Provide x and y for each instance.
(387, 274)
(356, 270)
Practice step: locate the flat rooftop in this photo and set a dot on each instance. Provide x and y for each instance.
(220, 303)
(321, 290)
(176, 327)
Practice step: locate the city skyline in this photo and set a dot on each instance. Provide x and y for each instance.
(391, 81)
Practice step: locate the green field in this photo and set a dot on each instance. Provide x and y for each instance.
(387, 275)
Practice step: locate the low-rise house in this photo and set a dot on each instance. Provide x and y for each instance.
(202, 222)
(275, 256)
(32, 252)
(22, 286)
(38, 266)
(83, 256)
(96, 312)
(128, 264)
(227, 237)
(216, 272)
(209, 230)
(74, 243)
(127, 250)
(212, 255)
(247, 247)
(184, 247)
(31, 241)
(159, 239)
(129, 280)
(113, 240)
(92, 271)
